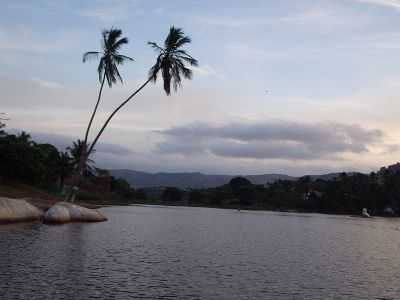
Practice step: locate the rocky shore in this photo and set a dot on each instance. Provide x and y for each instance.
(21, 210)
(65, 212)
(18, 210)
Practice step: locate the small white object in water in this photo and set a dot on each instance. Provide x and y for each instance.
(365, 213)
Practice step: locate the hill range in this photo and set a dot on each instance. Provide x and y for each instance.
(140, 179)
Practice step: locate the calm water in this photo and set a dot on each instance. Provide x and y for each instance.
(200, 253)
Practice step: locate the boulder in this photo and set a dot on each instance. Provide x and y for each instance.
(64, 212)
(18, 210)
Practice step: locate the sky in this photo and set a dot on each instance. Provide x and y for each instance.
(290, 86)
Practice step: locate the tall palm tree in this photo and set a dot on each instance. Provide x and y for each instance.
(172, 61)
(108, 64)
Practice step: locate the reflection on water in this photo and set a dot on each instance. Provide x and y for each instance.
(200, 253)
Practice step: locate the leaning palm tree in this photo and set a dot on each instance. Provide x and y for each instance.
(108, 65)
(172, 61)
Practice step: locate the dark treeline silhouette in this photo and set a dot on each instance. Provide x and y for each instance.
(346, 194)
(46, 167)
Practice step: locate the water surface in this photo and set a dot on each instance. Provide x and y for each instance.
(147, 252)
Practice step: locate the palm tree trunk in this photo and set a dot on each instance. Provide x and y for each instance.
(113, 113)
(84, 155)
(95, 109)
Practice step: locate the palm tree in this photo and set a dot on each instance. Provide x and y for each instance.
(25, 138)
(108, 65)
(76, 153)
(172, 62)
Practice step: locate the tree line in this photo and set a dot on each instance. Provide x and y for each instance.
(347, 193)
(43, 165)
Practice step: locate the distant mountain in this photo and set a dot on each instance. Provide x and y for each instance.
(199, 180)
(187, 180)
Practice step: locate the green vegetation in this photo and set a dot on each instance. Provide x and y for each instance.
(41, 170)
(346, 194)
(42, 167)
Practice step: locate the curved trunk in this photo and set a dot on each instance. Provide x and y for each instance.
(84, 155)
(113, 113)
(95, 109)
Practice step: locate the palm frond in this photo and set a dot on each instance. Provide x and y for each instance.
(110, 56)
(155, 46)
(116, 72)
(155, 69)
(172, 61)
(90, 55)
(125, 57)
(182, 41)
(193, 62)
(118, 44)
(101, 69)
(113, 36)
(174, 35)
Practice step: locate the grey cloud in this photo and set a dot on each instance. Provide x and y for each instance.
(113, 149)
(261, 150)
(270, 140)
(178, 146)
(63, 141)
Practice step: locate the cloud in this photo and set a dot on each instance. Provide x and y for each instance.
(207, 70)
(387, 3)
(159, 10)
(24, 39)
(64, 141)
(317, 15)
(270, 140)
(47, 83)
(111, 11)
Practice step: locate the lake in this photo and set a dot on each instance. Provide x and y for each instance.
(153, 252)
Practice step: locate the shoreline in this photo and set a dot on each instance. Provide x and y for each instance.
(350, 214)
(44, 200)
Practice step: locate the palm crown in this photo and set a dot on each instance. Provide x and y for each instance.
(172, 61)
(110, 56)
(76, 151)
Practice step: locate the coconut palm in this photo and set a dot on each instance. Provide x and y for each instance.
(108, 64)
(76, 152)
(172, 61)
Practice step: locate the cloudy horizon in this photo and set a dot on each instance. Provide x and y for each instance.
(294, 88)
